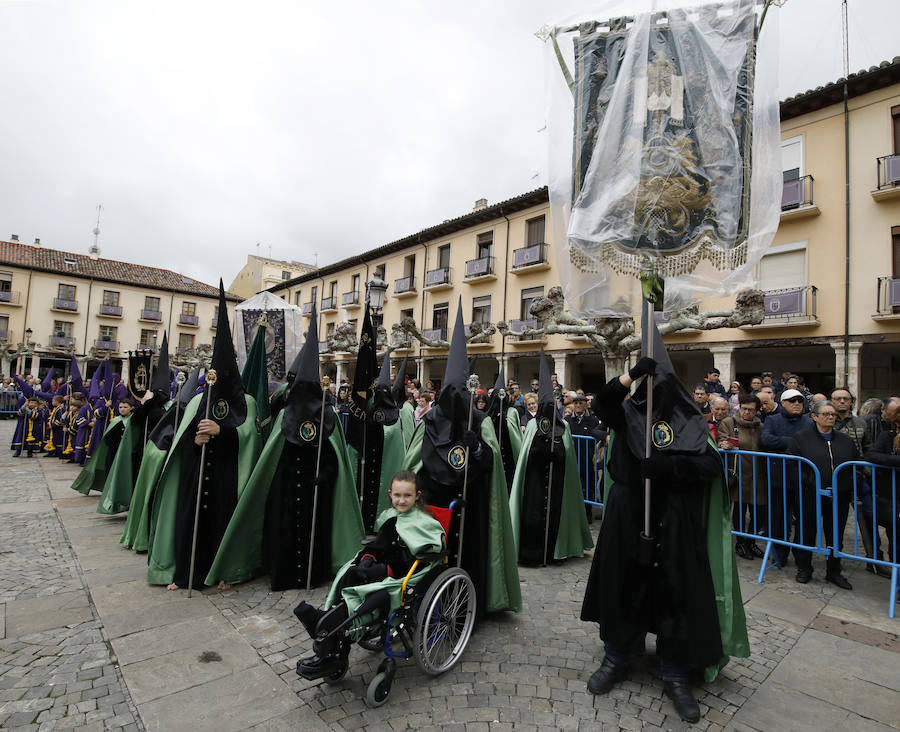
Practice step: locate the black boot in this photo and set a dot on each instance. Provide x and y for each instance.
(683, 699)
(606, 677)
(330, 659)
(308, 616)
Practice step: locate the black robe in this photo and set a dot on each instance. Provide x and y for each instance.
(533, 514)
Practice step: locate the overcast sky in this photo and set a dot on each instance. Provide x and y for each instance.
(311, 128)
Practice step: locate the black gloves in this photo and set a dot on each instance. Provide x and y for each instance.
(470, 440)
(654, 467)
(642, 368)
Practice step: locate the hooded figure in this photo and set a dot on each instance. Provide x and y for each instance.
(102, 406)
(548, 452)
(505, 419)
(441, 447)
(135, 534)
(407, 413)
(273, 524)
(19, 434)
(213, 452)
(681, 583)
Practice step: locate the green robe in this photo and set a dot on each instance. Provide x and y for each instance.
(574, 537)
(419, 531)
(117, 490)
(93, 475)
(408, 422)
(504, 592)
(514, 423)
(240, 555)
(161, 534)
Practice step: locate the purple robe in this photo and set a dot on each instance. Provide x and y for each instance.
(83, 433)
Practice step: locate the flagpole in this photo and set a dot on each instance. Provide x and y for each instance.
(648, 428)
(312, 528)
(210, 381)
(471, 385)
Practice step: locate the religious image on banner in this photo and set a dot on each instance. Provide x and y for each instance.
(140, 364)
(275, 338)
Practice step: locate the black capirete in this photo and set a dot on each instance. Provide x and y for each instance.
(228, 407)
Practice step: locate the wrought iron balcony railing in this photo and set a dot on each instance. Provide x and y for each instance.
(61, 341)
(104, 345)
(70, 306)
(329, 303)
(114, 311)
(185, 319)
(517, 328)
(436, 277)
(153, 315)
(529, 256)
(405, 285)
(888, 171)
(350, 298)
(435, 334)
(152, 347)
(887, 300)
(797, 192)
(479, 267)
(307, 308)
(10, 297)
(790, 302)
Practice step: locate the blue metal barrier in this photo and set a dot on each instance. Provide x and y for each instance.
(586, 452)
(9, 402)
(875, 497)
(345, 418)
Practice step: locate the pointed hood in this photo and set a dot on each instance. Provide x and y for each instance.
(385, 410)
(94, 391)
(678, 425)
(399, 387)
(303, 406)
(160, 381)
(445, 423)
(547, 402)
(75, 381)
(107, 388)
(48, 381)
(26, 388)
(228, 406)
(363, 381)
(497, 402)
(255, 376)
(189, 388)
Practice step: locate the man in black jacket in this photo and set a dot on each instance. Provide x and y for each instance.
(826, 448)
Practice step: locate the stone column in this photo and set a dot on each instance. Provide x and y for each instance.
(851, 378)
(504, 366)
(35, 365)
(420, 369)
(560, 365)
(339, 374)
(723, 359)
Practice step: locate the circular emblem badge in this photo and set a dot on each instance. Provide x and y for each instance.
(662, 434)
(220, 409)
(308, 431)
(456, 458)
(378, 416)
(544, 425)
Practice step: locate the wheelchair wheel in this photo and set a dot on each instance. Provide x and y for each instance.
(444, 622)
(379, 689)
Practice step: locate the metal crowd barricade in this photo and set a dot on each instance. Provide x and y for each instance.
(787, 493)
(875, 496)
(9, 401)
(589, 454)
(345, 420)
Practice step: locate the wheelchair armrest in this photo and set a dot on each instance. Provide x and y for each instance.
(412, 571)
(433, 556)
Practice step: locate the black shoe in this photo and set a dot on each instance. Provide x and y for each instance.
(836, 578)
(317, 667)
(308, 616)
(741, 550)
(606, 677)
(781, 560)
(755, 550)
(683, 699)
(18, 454)
(804, 575)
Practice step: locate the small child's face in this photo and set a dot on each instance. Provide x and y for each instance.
(403, 495)
(124, 409)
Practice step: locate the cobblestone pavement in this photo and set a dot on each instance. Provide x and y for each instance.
(526, 671)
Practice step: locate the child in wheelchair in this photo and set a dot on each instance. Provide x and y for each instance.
(370, 585)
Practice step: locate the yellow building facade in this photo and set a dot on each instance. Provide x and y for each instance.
(261, 273)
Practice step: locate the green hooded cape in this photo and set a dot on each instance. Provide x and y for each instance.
(240, 555)
(408, 422)
(117, 489)
(93, 475)
(421, 533)
(574, 537)
(503, 573)
(161, 534)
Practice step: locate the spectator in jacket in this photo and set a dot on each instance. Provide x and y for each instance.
(701, 397)
(712, 383)
(778, 429)
(826, 448)
(886, 452)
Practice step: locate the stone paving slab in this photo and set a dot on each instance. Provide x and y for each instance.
(154, 615)
(793, 608)
(24, 617)
(111, 576)
(235, 702)
(173, 637)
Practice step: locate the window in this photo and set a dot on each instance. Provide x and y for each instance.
(111, 297)
(333, 286)
(62, 328)
(481, 309)
(895, 239)
(314, 293)
(784, 267)
(408, 313)
(4, 326)
(108, 333)
(185, 340)
(297, 296)
(148, 337)
(895, 119)
(534, 233)
(792, 158)
(379, 270)
(188, 308)
(66, 292)
(485, 245)
(529, 295)
(409, 265)
(216, 313)
(443, 254)
(285, 275)
(152, 304)
(329, 330)
(441, 315)
(5, 281)
(353, 324)
(354, 283)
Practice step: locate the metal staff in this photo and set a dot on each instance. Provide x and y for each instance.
(648, 348)
(312, 529)
(471, 385)
(502, 396)
(179, 379)
(210, 381)
(147, 420)
(549, 485)
(362, 461)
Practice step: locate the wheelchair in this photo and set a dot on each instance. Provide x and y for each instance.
(432, 624)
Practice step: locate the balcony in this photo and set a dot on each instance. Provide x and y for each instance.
(404, 343)
(307, 308)
(152, 316)
(10, 297)
(887, 299)
(517, 329)
(887, 175)
(152, 347)
(68, 306)
(405, 287)
(4, 335)
(181, 350)
(191, 320)
(323, 347)
(350, 299)
(797, 199)
(111, 311)
(481, 269)
(435, 334)
(58, 341)
(104, 345)
(530, 259)
(438, 279)
(478, 344)
(329, 303)
(790, 306)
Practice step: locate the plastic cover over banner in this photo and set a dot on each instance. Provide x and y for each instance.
(284, 334)
(664, 151)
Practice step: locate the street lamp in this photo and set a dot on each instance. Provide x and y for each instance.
(375, 292)
(28, 333)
